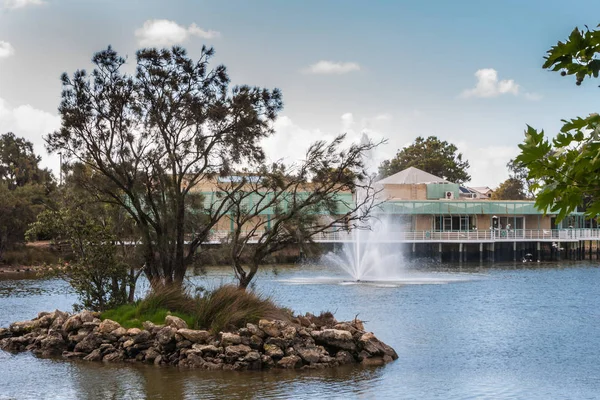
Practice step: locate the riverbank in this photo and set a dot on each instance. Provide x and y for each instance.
(306, 342)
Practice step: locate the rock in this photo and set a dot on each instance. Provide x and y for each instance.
(206, 350)
(5, 332)
(267, 361)
(175, 322)
(273, 351)
(45, 320)
(230, 338)
(289, 332)
(78, 336)
(195, 336)
(108, 326)
(87, 316)
(182, 344)
(335, 338)
(128, 343)
(72, 323)
(115, 356)
(53, 343)
(237, 351)
(72, 354)
(369, 343)
(310, 354)
(165, 335)
(271, 328)
(95, 355)
(88, 344)
(255, 330)
(290, 362)
(23, 327)
(343, 357)
(119, 332)
(134, 331)
(279, 342)
(151, 354)
(142, 337)
(151, 327)
(255, 342)
(252, 356)
(92, 325)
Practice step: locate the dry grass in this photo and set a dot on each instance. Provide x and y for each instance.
(228, 308)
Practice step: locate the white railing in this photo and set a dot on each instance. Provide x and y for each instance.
(496, 235)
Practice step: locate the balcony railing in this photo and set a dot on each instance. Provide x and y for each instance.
(496, 235)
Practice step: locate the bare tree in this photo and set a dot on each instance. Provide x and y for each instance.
(279, 207)
(152, 136)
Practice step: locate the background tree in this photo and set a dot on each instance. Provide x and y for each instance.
(518, 171)
(510, 189)
(24, 189)
(301, 201)
(567, 167)
(152, 137)
(431, 155)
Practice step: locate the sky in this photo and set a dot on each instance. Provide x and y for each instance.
(468, 72)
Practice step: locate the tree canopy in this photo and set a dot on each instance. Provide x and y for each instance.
(431, 155)
(152, 136)
(24, 188)
(567, 167)
(510, 189)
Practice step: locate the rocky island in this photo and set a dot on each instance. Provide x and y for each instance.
(304, 342)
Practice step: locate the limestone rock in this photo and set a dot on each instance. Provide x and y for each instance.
(335, 338)
(195, 336)
(237, 351)
(228, 338)
(23, 327)
(108, 326)
(72, 323)
(273, 351)
(175, 322)
(165, 335)
(369, 343)
(271, 328)
(290, 362)
(88, 344)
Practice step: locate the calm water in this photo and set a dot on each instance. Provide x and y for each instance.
(508, 333)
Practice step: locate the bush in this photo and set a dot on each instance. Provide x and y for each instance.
(228, 308)
(30, 256)
(225, 308)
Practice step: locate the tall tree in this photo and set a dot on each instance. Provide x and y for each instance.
(284, 206)
(431, 155)
(510, 189)
(153, 136)
(518, 171)
(24, 187)
(567, 167)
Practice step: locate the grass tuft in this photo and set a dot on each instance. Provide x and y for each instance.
(223, 309)
(228, 308)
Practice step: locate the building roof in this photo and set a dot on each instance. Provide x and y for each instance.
(481, 189)
(411, 175)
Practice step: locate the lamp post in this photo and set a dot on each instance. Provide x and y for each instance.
(494, 225)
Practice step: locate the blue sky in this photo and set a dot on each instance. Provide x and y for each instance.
(393, 69)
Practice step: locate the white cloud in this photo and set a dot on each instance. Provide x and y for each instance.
(533, 96)
(32, 124)
(6, 49)
(162, 32)
(330, 67)
(488, 85)
(487, 163)
(14, 4)
(347, 121)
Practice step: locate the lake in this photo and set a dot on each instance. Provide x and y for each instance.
(494, 331)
